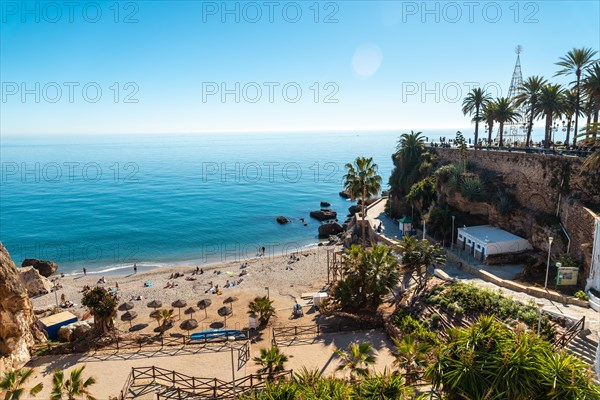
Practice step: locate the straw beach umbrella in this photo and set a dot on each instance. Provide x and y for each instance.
(188, 325)
(179, 304)
(129, 316)
(230, 301)
(224, 312)
(126, 306)
(190, 311)
(203, 305)
(155, 304)
(155, 313)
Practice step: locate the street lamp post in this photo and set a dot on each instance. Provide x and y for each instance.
(452, 243)
(423, 228)
(231, 339)
(550, 239)
(540, 305)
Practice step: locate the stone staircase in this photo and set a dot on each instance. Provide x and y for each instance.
(583, 347)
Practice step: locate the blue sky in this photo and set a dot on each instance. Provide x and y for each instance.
(358, 64)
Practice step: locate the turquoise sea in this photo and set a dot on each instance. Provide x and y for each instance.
(105, 202)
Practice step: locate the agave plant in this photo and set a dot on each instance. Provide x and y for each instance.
(385, 386)
(472, 188)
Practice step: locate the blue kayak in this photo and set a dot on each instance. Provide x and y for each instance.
(217, 334)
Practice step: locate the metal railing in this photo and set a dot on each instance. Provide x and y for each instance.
(569, 335)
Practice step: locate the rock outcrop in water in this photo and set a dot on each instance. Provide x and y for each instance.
(282, 220)
(45, 268)
(330, 229)
(323, 215)
(18, 331)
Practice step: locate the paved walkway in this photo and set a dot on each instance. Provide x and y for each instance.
(391, 232)
(553, 307)
(376, 216)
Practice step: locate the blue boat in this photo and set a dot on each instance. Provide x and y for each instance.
(218, 334)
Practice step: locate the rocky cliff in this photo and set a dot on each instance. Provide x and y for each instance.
(18, 331)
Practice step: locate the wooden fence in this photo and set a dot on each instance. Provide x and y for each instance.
(289, 333)
(175, 385)
(117, 344)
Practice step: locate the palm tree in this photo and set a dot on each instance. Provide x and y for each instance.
(591, 85)
(362, 181)
(74, 387)
(418, 255)
(410, 355)
(271, 361)
(575, 62)
(473, 104)
(13, 382)
(569, 109)
(262, 306)
(368, 275)
(527, 96)
(505, 111)
(551, 105)
(489, 116)
(357, 359)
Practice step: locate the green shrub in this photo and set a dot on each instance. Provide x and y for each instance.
(471, 188)
(505, 203)
(581, 295)
(411, 326)
(546, 219)
(568, 261)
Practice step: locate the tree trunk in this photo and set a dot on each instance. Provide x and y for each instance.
(490, 134)
(501, 134)
(576, 109)
(530, 126)
(567, 140)
(476, 125)
(363, 212)
(548, 132)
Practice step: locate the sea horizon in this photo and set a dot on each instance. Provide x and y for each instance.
(106, 202)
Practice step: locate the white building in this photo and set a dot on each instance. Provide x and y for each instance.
(594, 277)
(481, 241)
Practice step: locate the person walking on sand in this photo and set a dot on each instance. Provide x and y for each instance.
(84, 271)
(134, 268)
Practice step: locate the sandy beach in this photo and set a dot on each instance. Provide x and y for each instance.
(285, 276)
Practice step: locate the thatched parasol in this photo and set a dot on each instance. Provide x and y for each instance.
(230, 301)
(224, 312)
(126, 306)
(190, 311)
(179, 304)
(155, 304)
(188, 325)
(203, 305)
(129, 316)
(155, 313)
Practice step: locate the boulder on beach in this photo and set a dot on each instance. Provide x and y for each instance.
(45, 268)
(34, 283)
(75, 331)
(345, 194)
(323, 215)
(325, 204)
(329, 229)
(283, 220)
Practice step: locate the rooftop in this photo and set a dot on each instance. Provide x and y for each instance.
(491, 233)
